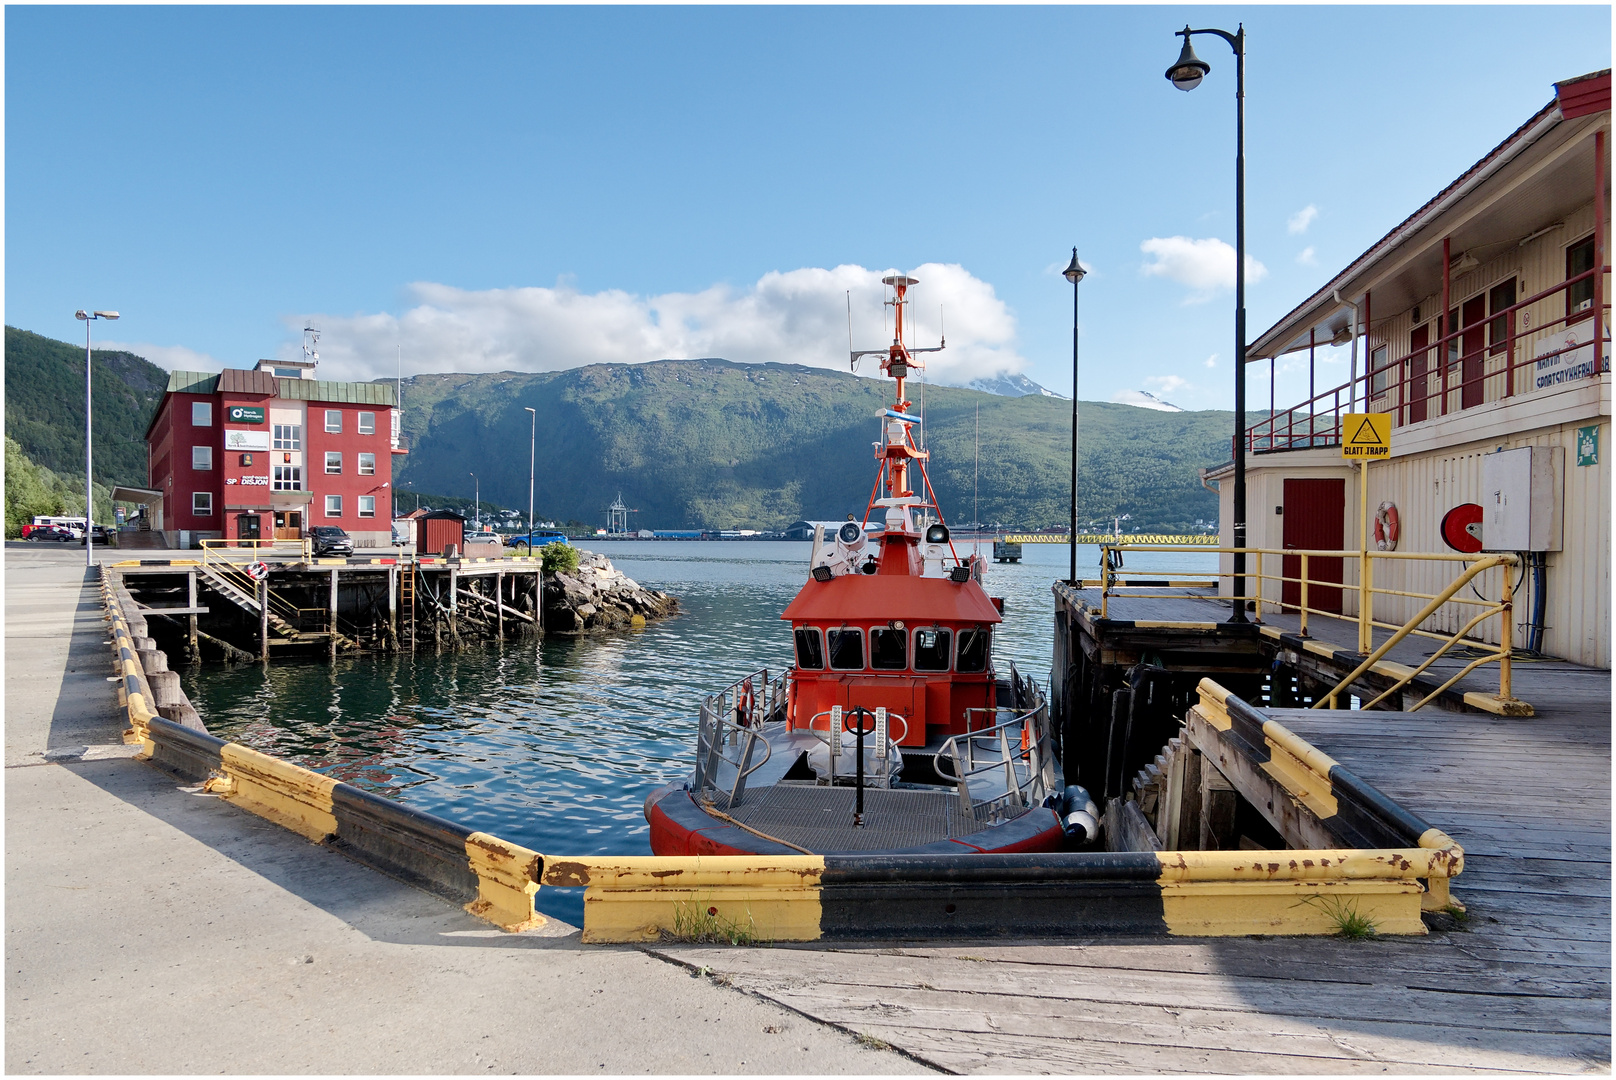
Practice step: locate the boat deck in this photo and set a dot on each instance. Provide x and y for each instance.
(821, 818)
(1523, 983)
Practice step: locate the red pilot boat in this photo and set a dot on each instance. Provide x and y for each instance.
(892, 732)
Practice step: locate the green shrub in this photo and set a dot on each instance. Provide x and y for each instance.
(559, 558)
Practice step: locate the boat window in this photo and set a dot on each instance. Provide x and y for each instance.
(809, 655)
(973, 649)
(931, 649)
(846, 649)
(889, 649)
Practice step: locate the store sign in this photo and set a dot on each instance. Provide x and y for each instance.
(1568, 362)
(236, 439)
(249, 481)
(245, 414)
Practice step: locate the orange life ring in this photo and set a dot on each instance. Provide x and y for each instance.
(744, 704)
(1386, 527)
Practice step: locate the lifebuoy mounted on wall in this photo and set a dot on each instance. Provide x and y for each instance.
(258, 571)
(1387, 527)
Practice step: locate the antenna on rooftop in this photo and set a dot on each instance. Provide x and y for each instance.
(311, 345)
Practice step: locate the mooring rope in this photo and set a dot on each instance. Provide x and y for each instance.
(720, 815)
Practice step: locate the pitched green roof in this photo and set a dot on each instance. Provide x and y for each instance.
(353, 393)
(192, 382)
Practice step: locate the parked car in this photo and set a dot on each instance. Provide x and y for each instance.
(101, 535)
(518, 541)
(53, 534)
(330, 540)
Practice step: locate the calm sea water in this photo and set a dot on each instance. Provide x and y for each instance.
(555, 745)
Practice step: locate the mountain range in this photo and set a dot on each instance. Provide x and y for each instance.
(690, 443)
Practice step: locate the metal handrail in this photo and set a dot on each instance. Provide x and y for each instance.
(1031, 722)
(1366, 591)
(715, 729)
(1279, 431)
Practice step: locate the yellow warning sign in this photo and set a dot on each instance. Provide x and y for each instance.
(1366, 435)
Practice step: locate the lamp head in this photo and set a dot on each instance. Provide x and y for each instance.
(106, 314)
(81, 314)
(1190, 69)
(1074, 271)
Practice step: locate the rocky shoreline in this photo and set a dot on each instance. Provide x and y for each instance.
(596, 597)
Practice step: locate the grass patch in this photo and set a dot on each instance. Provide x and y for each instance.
(870, 1042)
(1350, 923)
(700, 924)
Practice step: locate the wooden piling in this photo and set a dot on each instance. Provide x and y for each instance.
(392, 605)
(499, 606)
(263, 620)
(190, 593)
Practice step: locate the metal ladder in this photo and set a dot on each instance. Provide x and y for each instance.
(406, 599)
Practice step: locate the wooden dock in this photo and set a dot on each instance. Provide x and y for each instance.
(1521, 984)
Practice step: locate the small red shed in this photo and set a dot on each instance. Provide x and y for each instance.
(434, 530)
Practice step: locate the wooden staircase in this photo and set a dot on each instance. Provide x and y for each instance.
(234, 585)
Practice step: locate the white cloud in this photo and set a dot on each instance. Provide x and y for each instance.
(1167, 384)
(799, 316)
(1206, 266)
(1299, 221)
(1211, 361)
(168, 357)
(1306, 256)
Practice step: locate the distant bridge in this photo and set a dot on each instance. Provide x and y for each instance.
(1201, 539)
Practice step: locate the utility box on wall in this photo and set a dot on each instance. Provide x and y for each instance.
(1520, 499)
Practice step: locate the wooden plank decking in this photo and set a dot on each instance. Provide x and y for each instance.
(1522, 984)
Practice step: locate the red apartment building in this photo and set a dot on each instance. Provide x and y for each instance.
(271, 452)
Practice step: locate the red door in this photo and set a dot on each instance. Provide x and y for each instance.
(1315, 518)
(1417, 364)
(1474, 339)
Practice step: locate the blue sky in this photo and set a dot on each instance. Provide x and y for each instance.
(516, 187)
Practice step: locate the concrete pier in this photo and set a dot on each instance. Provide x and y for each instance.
(153, 929)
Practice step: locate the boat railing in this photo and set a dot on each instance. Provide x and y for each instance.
(834, 734)
(729, 733)
(1018, 749)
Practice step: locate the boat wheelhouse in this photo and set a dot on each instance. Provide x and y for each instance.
(893, 730)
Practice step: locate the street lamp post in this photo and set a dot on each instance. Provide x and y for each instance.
(532, 441)
(476, 503)
(1074, 273)
(89, 518)
(1187, 74)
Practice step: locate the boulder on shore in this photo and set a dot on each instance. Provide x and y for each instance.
(597, 597)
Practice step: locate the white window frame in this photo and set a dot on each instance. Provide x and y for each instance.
(333, 421)
(201, 414)
(288, 436)
(367, 465)
(367, 423)
(371, 500)
(202, 503)
(333, 506)
(202, 458)
(279, 482)
(333, 457)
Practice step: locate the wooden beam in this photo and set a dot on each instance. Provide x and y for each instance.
(1299, 826)
(513, 612)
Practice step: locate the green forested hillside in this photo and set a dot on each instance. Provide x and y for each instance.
(33, 489)
(45, 406)
(712, 444)
(688, 443)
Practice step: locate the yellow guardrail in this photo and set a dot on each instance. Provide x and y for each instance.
(1260, 562)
